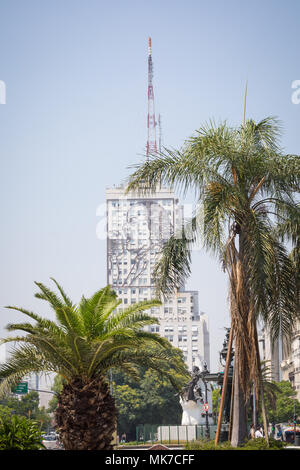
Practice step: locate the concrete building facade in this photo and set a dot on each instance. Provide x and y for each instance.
(284, 360)
(137, 227)
(290, 365)
(270, 353)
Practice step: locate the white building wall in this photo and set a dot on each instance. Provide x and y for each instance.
(289, 367)
(270, 353)
(137, 227)
(2, 353)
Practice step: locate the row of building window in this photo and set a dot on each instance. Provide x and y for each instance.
(181, 339)
(178, 318)
(171, 328)
(166, 310)
(166, 299)
(128, 202)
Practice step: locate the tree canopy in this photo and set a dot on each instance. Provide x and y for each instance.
(282, 410)
(87, 340)
(151, 400)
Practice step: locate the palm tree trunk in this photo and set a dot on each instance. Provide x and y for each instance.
(261, 386)
(239, 419)
(239, 313)
(231, 411)
(86, 415)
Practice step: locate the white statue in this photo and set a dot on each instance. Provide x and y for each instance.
(191, 413)
(193, 397)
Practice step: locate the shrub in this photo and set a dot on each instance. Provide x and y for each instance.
(204, 444)
(19, 433)
(261, 444)
(252, 444)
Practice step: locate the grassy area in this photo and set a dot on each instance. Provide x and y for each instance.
(252, 444)
(203, 444)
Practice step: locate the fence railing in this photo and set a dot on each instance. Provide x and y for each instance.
(173, 434)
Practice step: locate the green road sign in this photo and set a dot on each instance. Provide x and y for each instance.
(20, 389)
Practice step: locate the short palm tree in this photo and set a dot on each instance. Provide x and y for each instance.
(244, 185)
(82, 345)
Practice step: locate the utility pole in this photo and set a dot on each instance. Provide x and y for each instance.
(203, 374)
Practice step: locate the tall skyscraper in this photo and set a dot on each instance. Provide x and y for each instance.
(137, 228)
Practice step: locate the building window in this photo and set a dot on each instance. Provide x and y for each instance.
(169, 338)
(155, 329)
(182, 338)
(169, 328)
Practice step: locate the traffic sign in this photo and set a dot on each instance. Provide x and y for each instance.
(20, 389)
(205, 407)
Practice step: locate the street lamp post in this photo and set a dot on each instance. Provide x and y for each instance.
(226, 355)
(203, 374)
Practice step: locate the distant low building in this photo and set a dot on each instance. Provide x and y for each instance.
(283, 360)
(42, 384)
(290, 365)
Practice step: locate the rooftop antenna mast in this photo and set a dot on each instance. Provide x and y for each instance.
(151, 122)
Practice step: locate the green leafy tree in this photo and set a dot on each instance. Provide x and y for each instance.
(151, 400)
(271, 391)
(129, 400)
(216, 397)
(245, 188)
(82, 345)
(5, 411)
(282, 410)
(28, 406)
(19, 433)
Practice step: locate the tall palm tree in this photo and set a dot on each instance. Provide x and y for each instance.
(82, 345)
(244, 185)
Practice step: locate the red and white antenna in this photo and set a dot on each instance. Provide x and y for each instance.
(151, 123)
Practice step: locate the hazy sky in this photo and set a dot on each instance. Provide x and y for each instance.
(75, 120)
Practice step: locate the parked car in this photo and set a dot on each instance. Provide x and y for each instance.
(51, 442)
(288, 433)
